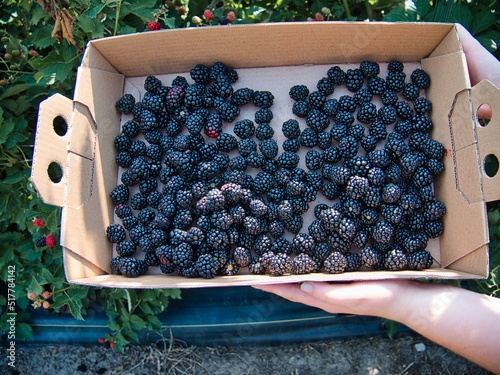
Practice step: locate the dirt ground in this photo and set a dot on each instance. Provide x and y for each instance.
(373, 355)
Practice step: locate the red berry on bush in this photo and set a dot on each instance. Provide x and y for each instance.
(231, 17)
(112, 345)
(50, 240)
(209, 16)
(319, 17)
(39, 223)
(101, 340)
(154, 25)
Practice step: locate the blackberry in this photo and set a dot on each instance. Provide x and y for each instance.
(420, 78)
(410, 202)
(257, 207)
(337, 75)
(291, 129)
(298, 92)
(347, 228)
(308, 138)
(183, 255)
(226, 109)
(336, 262)
(206, 265)
(392, 213)
(230, 268)
(269, 148)
(396, 81)
(369, 216)
(387, 114)
(222, 88)
(263, 182)
(174, 97)
(314, 160)
(368, 142)
(226, 142)
(147, 185)
(354, 262)
(242, 256)
(303, 264)
(288, 160)
(130, 128)
(200, 74)
(391, 193)
(325, 86)
(419, 260)
(352, 207)
(303, 243)
(422, 177)
(422, 105)
(370, 257)
(362, 96)
(122, 142)
(242, 96)
(395, 66)
(232, 192)
(361, 238)
(119, 195)
(421, 123)
(357, 187)
(264, 131)
(348, 147)
(434, 210)
(389, 97)
(317, 120)
(115, 233)
(300, 108)
(125, 104)
(152, 84)
(314, 179)
(254, 225)
(246, 146)
(383, 232)
(41, 241)
(378, 130)
(359, 165)
(415, 241)
(316, 100)
(152, 102)
(151, 260)
(403, 127)
(123, 210)
(338, 131)
(395, 260)
(263, 99)
(354, 79)
(276, 228)
(317, 231)
(294, 223)
(280, 264)
(411, 91)
(403, 109)
(330, 107)
(132, 267)
(330, 218)
(262, 244)
(376, 85)
(369, 68)
(344, 117)
(367, 113)
(255, 267)
(238, 163)
(172, 127)
(244, 128)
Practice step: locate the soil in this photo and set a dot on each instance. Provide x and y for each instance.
(370, 355)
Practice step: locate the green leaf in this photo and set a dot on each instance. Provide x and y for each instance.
(461, 14)
(42, 37)
(91, 26)
(24, 332)
(93, 12)
(153, 323)
(75, 308)
(398, 15)
(5, 129)
(141, 9)
(422, 7)
(136, 322)
(13, 90)
(490, 40)
(482, 21)
(58, 63)
(34, 286)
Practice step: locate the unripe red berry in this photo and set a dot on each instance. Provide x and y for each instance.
(154, 25)
(231, 17)
(50, 240)
(39, 223)
(209, 16)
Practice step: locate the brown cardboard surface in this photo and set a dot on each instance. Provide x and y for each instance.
(276, 51)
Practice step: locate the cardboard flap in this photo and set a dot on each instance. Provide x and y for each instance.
(486, 93)
(50, 147)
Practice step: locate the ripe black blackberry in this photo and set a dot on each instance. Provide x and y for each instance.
(387, 114)
(119, 195)
(41, 241)
(325, 86)
(411, 91)
(269, 148)
(288, 160)
(183, 255)
(370, 257)
(207, 265)
(420, 78)
(314, 160)
(263, 182)
(200, 74)
(396, 81)
(434, 210)
(336, 262)
(348, 147)
(280, 264)
(357, 187)
(419, 260)
(152, 83)
(264, 131)
(391, 193)
(298, 92)
(132, 267)
(383, 232)
(226, 142)
(392, 213)
(354, 262)
(317, 120)
(344, 117)
(403, 109)
(395, 260)
(303, 243)
(421, 123)
(125, 104)
(294, 223)
(300, 108)
(242, 96)
(422, 105)
(255, 267)
(377, 85)
(303, 264)
(351, 207)
(354, 79)
(115, 233)
(367, 113)
(369, 68)
(378, 130)
(422, 177)
(244, 128)
(337, 75)
(330, 107)
(263, 99)
(222, 88)
(226, 109)
(152, 102)
(316, 99)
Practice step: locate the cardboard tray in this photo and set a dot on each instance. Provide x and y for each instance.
(273, 52)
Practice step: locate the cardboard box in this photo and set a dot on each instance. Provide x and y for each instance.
(267, 57)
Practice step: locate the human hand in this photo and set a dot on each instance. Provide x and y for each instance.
(381, 298)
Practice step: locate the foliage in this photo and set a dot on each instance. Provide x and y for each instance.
(41, 47)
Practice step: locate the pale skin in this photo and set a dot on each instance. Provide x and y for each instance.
(465, 322)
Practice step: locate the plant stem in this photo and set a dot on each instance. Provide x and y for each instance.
(345, 3)
(117, 16)
(369, 10)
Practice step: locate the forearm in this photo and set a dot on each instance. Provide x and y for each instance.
(462, 321)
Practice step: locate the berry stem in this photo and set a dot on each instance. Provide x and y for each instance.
(347, 9)
(117, 16)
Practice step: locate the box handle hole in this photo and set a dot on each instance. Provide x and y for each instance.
(55, 172)
(60, 126)
(484, 114)
(491, 165)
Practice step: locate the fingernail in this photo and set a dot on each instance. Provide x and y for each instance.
(306, 287)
